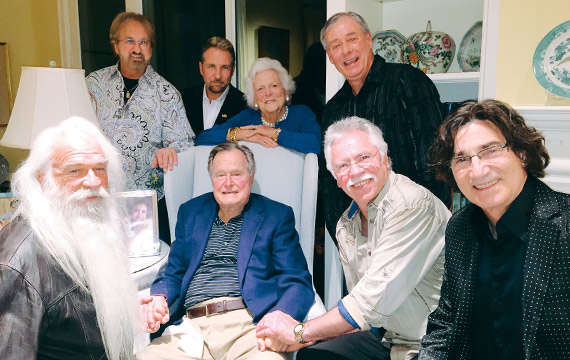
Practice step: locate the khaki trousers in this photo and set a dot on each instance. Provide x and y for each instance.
(227, 336)
(403, 352)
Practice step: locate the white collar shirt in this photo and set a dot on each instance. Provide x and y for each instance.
(211, 109)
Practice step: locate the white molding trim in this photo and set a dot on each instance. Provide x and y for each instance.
(69, 40)
(334, 79)
(231, 20)
(489, 49)
(554, 123)
(455, 78)
(241, 44)
(230, 7)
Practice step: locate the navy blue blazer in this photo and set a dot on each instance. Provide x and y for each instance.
(272, 269)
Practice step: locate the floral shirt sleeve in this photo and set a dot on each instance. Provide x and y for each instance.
(153, 118)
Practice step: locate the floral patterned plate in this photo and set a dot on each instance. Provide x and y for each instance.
(552, 61)
(387, 44)
(469, 54)
(430, 51)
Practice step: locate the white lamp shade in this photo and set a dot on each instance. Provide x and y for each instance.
(46, 97)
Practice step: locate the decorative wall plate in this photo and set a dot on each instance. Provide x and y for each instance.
(431, 51)
(552, 61)
(469, 54)
(387, 44)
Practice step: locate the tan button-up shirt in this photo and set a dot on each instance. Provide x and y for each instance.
(394, 276)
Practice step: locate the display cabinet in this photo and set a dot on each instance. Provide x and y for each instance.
(454, 17)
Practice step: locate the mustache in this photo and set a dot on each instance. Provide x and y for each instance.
(137, 54)
(83, 194)
(359, 178)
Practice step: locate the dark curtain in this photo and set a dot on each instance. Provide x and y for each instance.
(95, 18)
(181, 28)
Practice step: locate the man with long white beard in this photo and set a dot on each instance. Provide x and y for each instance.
(65, 285)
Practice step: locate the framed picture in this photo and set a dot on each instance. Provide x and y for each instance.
(140, 219)
(5, 86)
(273, 43)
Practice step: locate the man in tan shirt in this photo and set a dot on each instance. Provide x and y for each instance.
(391, 242)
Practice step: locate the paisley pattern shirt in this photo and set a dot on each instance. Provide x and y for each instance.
(153, 118)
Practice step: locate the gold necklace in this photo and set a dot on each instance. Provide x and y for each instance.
(128, 94)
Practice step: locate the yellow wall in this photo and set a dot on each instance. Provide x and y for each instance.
(30, 27)
(522, 24)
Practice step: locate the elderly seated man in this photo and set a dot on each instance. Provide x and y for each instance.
(65, 284)
(391, 242)
(236, 258)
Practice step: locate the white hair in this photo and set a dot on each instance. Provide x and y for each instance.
(86, 241)
(263, 64)
(39, 160)
(353, 123)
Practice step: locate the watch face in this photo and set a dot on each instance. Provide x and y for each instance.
(298, 328)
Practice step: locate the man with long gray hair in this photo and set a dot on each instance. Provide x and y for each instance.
(65, 289)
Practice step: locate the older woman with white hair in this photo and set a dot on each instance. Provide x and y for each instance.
(269, 121)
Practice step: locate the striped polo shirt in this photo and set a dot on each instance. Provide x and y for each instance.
(217, 275)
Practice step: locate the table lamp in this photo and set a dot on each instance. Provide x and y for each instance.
(46, 97)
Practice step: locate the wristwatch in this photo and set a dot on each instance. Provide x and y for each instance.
(298, 331)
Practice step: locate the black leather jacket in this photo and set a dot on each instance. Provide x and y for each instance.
(43, 315)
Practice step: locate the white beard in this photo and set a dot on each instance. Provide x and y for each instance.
(86, 239)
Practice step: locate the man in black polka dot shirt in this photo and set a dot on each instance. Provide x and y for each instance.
(506, 286)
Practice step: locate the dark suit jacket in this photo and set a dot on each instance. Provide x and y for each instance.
(546, 284)
(192, 98)
(272, 269)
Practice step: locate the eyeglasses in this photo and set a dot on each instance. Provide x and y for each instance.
(362, 160)
(132, 42)
(462, 162)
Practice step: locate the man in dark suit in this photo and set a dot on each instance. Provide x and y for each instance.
(505, 292)
(216, 100)
(236, 258)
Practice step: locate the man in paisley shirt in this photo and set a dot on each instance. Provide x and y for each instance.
(139, 111)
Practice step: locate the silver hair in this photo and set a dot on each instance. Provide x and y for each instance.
(229, 146)
(260, 65)
(336, 17)
(83, 239)
(353, 123)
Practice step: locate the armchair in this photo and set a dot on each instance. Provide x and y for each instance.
(282, 175)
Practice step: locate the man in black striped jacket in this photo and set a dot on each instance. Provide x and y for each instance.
(505, 291)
